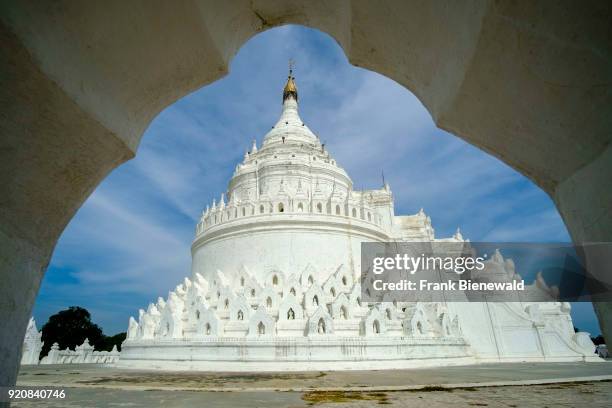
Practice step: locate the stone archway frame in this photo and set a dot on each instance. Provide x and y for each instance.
(525, 82)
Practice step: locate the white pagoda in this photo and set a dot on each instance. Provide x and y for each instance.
(275, 281)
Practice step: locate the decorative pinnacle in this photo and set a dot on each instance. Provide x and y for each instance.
(458, 236)
(290, 87)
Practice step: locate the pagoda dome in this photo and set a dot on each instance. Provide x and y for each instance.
(290, 127)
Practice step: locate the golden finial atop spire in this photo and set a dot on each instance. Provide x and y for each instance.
(290, 87)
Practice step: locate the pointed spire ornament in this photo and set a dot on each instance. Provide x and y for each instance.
(299, 193)
(318, 193)
(497, 256)
(281, 189)
(161, 303)
(336, 192)
(290, 89)
(385, 184)
(458, 235)
(254, 146)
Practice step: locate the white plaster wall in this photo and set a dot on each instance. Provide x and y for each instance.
(476, 328)
(289, 250)
(292, 354)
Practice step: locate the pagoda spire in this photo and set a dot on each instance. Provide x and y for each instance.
(290, 89)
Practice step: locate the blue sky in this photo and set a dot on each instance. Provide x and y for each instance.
(130, 242)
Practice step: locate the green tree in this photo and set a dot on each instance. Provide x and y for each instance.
(110, 341)
(69, 328)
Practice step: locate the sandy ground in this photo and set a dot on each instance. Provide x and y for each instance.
(590, 394)
(564, 385)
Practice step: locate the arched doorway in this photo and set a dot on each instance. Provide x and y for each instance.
(459, 83)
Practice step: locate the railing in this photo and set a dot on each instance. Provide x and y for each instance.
(268, 208)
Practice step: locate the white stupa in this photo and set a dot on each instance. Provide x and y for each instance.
(275, 286)
(32, 344)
